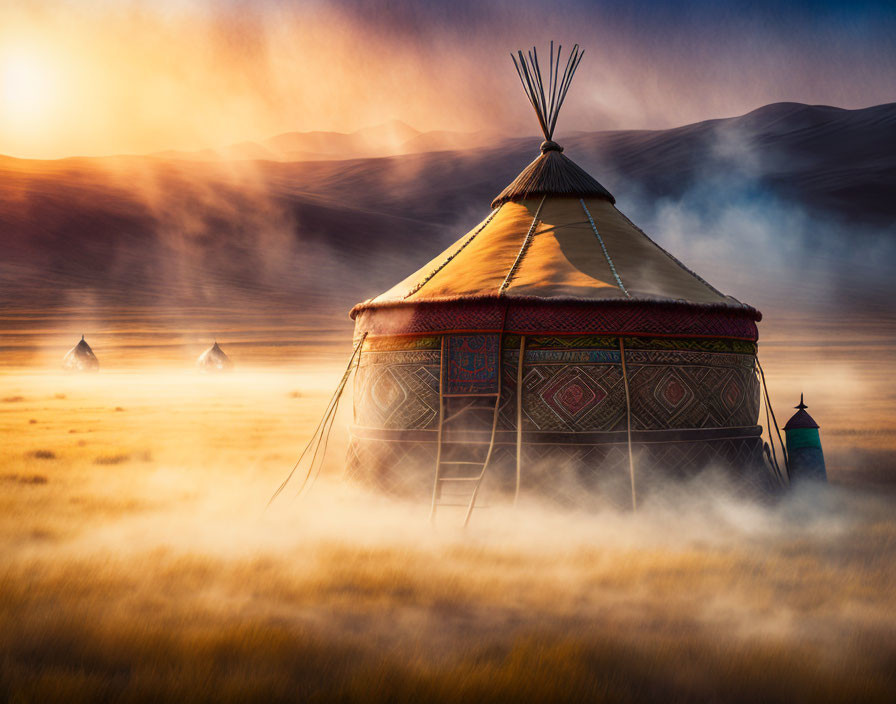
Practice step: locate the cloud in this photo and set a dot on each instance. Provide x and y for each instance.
(140, 77)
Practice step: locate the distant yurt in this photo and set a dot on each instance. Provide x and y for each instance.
(214, 360)
(554, 348)
(805, 459)
(80, 358)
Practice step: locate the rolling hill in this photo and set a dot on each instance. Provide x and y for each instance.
(173, 230)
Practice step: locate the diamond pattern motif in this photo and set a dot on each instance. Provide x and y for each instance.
(386, 392)
(570, 398)
(402, 395)
(732, 394)
(568, 390)
(572, 393)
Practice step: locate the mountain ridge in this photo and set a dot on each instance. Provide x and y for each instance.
(156, 230)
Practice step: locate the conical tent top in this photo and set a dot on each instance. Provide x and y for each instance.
(801, 419)
(555, 235)
(551, 173)
(80, 357)
(214, 358)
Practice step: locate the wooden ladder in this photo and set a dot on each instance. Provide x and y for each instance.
(468, 485)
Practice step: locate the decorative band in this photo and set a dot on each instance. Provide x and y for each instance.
(628, 318)
(396, 343)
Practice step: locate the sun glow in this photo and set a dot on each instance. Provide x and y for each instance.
(26, 88)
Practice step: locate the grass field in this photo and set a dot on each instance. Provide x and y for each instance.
(138, 562)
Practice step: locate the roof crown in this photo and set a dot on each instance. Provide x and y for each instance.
(551, 173)
(801, 419)
(82, 348)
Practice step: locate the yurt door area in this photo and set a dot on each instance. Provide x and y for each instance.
(469, 406)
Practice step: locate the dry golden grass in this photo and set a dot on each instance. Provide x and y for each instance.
(137, 563)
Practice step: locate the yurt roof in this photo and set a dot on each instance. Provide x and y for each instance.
(547, 248)
(214, 353)
(552, 174)
(554, 234)
(82, 349)
(801, 419)
(80, 357)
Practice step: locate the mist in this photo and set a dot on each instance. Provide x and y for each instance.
(140, 559)
(767, 250)
(158, 571)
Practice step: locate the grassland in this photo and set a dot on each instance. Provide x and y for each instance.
(138, 563)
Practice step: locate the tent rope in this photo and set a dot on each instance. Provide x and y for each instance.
(522, 252)
(673, 257)
(519, 419)
(771, 411)
(604, 248)
(440, 432)
(628, 422)
(770, 449)
(323, 455)
(460, 249)
(322, 432)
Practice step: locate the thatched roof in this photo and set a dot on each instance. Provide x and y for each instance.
(553, 174)
(80, 358)
(214, 359)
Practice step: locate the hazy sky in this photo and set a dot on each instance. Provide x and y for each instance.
(110, 76)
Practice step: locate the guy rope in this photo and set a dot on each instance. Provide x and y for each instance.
(321, 436)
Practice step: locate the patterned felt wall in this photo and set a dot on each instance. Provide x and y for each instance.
(705, 388)
(574, 390)
(472, 364)
(398, 389)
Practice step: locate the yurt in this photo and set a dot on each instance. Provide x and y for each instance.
(805, 458)
(214, 360)
(80, 358)
(554, 348)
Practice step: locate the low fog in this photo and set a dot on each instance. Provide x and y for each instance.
(140, 561)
